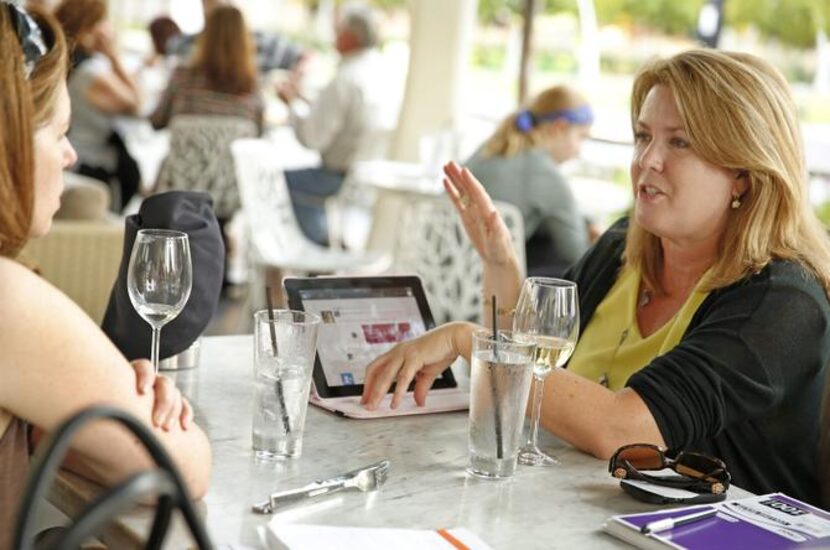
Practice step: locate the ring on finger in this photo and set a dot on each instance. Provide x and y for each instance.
(464, 201)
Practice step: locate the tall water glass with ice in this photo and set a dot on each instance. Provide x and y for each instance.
(500, 374)
(285, 344)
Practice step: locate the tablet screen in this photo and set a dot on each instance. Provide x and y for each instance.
(363, 317)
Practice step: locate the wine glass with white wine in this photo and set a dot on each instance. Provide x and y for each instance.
(159, 279)
(548, 313)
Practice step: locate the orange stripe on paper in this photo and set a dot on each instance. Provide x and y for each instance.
(452, 540)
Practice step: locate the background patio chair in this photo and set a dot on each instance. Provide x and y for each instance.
(200, 158)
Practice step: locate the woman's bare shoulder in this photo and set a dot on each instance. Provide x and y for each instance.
(14, 278)
(19, 284)
(32, 306)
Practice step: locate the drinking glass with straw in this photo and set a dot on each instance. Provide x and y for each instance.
(499, 388)
(285, 344)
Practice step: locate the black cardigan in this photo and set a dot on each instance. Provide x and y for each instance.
(745, 382)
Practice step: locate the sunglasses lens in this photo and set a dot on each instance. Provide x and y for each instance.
(642, 458)
(700, 467)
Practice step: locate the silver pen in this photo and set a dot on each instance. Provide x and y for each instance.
(671, 523)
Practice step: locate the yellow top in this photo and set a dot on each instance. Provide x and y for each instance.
(611, 349)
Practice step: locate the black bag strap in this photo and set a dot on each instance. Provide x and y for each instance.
(165, 481)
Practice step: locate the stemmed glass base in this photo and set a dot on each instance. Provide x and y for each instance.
(530, 454)
(533, 456)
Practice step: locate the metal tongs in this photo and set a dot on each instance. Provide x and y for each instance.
(364, 479)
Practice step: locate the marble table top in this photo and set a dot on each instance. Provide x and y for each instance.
(553, 507)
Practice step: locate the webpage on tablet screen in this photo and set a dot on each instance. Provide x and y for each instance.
(360, 324)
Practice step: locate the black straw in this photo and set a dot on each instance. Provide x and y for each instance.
(494, 394)
(286, 423)
(495, 318)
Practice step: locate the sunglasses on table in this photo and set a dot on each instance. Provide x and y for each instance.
(696, 472)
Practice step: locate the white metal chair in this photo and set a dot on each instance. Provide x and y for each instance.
(276, 239)
(426, 237)
(200, 158)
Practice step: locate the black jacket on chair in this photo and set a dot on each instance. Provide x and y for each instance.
(192, 213)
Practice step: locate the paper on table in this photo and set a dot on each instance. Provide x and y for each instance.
(325, 537)
(669, 492)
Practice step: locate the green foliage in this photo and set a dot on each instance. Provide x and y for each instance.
(619, 63)
(668, 16)
(489, 56)
(382, 4)
(560, 6)
(501, 11)
(498, 11)
(556, 61)
(823, 213)
(793, 22)
(389, 4)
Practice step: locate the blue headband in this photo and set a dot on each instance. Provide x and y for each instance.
(29, 36)
(582, 115)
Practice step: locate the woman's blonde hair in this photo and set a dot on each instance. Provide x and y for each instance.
(225, 52)
(509, 140)
(29, 103)
(739, 114)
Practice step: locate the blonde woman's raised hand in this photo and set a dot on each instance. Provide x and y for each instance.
(484, 225)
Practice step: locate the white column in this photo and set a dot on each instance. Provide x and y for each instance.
(439, 52)
(589, 54)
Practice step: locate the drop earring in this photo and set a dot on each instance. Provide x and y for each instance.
(736, 202)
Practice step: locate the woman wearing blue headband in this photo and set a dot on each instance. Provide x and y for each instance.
(519, 164)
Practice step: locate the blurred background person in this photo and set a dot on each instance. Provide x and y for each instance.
(43, 5)
(222, 77)
(100, 89)
(273, 50)
(221, 80)
(519, 164)
(163, 34)
(343, 123)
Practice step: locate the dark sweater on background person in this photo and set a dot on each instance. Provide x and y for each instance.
(745, 382)
(555, 232)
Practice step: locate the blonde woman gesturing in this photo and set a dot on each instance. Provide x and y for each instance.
(706, 322)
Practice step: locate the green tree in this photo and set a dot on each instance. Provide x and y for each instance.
(793, 22)
(668, 16)
(498, 11)
(382, 4)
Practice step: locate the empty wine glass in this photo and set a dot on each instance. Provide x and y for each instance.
(159, 279)
(548, 313)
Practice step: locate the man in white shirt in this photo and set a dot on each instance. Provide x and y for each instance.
(348, 121)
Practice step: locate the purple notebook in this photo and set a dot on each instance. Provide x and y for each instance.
(767, 521)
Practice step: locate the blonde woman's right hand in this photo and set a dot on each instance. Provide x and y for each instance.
(484, 225)
(422, 359)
